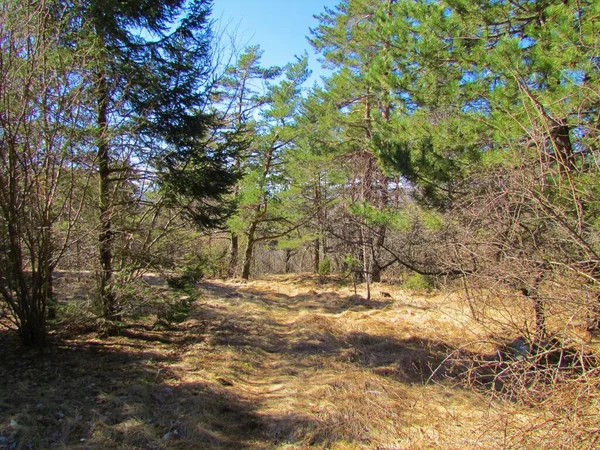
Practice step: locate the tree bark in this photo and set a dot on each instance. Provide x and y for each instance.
(540, 318)
(317, 246)
(376, 273)
(317, 255)
(288, 257)
(51, 300)
(248, 256)
(105, 237)
(539, 306)
(259, 212)
(233, 256)
(377, 247)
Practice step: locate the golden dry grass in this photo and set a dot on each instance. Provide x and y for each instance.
(280, 363)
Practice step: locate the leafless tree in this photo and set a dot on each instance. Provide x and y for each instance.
(41, 110)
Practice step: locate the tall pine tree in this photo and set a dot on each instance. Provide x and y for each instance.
(151, 68)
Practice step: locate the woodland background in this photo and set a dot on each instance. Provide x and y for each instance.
(454, 147)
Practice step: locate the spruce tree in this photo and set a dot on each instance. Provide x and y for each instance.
(151, 72)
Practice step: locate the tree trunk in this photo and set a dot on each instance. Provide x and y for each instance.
(105, 238)
(366, 262)
(28, 307)
(561, 139)
(377, 246)
(539, 306)
(317, 255)
(51, 300)
(540, 319)
(248, 253)
(247, 259)
(317, 243)
(233, 256)
(32, 330)
(31, 298)
(288, 257)
(376, 273)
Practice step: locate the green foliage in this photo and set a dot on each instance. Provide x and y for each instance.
(263, 208)
(199, 177)
(466, 86)
(419, 283)
(189, 275)
(214, 261)
(324, 267)
(475, 109)
(433, 220)
(398, 220)
(76, 315)
(373, 215)
(351, 264)
(173, 311)
(293, 243)
(402, 221)
(157, 61)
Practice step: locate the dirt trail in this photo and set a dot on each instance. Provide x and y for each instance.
(330, 368)
(275, 364)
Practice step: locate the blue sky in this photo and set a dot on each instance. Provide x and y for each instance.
(279, 27)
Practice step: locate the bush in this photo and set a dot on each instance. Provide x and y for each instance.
(173, 311)
(351, 265)
(191, 273)
(325, 267)
(418, 282)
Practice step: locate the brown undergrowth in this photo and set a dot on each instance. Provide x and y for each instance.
(281, 363)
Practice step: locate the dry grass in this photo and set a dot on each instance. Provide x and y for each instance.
(281, 363)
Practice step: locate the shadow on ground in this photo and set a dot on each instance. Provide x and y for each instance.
(411, 360)
(129, 391)
(328, 302)
(114, 394)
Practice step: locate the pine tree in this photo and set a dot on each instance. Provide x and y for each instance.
(492, 103)
(151, 69)
(261, 215)
(350, 42)
(241, 94)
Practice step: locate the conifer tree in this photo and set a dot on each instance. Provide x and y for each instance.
(260, 217)
(495, 104)
(241, 94)
(350, 43)
(151, 70)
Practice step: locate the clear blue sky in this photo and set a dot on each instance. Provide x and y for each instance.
(279, 27)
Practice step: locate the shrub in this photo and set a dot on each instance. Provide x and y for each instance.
(325, 267)
(191, 273)
(173, 311)
(418, 282)
(351, 265)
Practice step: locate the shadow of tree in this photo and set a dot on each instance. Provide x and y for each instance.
(412, 360)
(98, 395)
(409, 360)
(328, 302)
(129, 391)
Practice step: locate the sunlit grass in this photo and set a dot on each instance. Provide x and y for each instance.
(281, 363)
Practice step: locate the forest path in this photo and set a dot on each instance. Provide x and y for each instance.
(315, 365)
(282, 363)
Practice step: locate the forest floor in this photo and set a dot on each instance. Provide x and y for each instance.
(279, 363)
